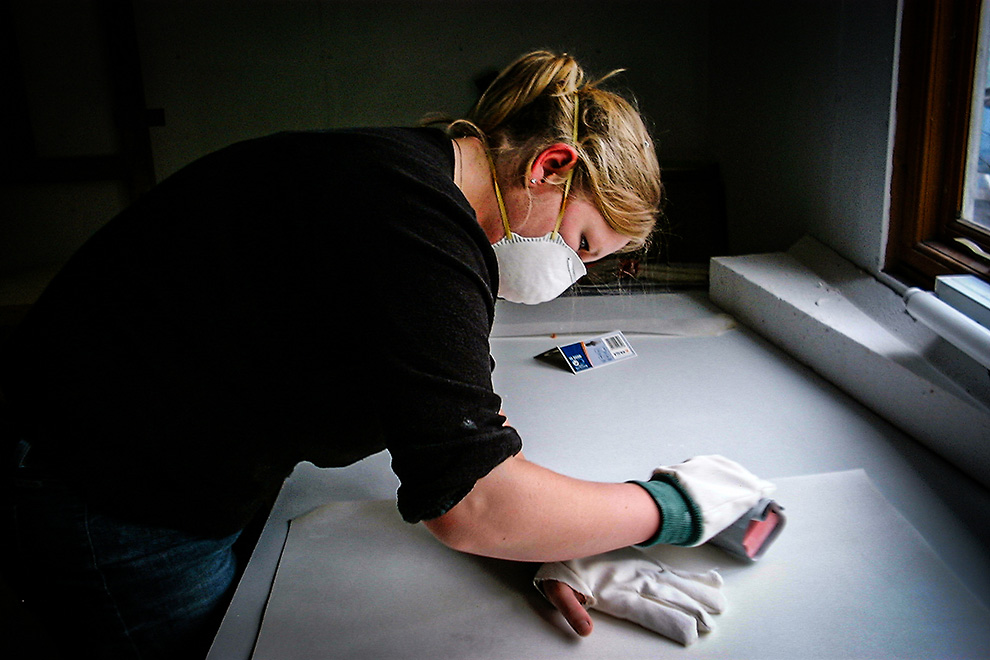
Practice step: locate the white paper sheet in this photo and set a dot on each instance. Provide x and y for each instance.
(848, 578)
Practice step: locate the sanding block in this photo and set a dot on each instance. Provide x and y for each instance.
(754, 532)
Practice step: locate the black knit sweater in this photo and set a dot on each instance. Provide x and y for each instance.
(313, 296)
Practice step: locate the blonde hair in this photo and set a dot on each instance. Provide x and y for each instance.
(530, 106)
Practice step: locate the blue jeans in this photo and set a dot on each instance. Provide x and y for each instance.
(105, 587)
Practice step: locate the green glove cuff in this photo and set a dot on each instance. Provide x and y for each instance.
(681, 521)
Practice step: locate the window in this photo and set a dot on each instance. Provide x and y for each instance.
(976, 193)
(940, 187)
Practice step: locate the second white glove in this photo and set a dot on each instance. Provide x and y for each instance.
(630, 585)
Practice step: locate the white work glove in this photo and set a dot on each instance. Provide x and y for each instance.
(629, 585)
(702, 496)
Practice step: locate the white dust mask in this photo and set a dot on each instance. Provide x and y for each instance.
(532, 270)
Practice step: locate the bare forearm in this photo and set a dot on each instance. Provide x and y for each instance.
(522, 511)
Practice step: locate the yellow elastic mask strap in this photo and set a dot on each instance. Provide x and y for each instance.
(498, 196)
(570, 173)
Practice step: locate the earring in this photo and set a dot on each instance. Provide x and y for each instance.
(532, 182)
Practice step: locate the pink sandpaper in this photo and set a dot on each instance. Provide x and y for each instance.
(757, 533)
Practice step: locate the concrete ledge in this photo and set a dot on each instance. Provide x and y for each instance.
(783, 299)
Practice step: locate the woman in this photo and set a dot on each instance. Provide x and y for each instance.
(315, 296)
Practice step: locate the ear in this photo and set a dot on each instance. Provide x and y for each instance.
(553, 163)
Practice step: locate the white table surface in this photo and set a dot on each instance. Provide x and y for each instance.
(849, 578)
(687, 392)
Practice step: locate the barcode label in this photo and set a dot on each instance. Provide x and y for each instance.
(617, 344)
(597, 352)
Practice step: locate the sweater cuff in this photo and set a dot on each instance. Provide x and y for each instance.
(678, 524)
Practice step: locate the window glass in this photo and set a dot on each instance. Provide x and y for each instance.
(976, 202)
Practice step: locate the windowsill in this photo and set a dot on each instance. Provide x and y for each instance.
(854, 331)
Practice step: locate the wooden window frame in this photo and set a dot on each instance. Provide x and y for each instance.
(937, 64)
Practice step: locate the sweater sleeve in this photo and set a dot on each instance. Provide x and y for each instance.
(442, 424)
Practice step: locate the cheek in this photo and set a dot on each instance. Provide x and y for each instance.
(583, 219)
(572, 237)
(604, 241)
(618, 241)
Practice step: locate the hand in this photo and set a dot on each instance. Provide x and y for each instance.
(702, 496)
(570, 604)
(630, 585)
